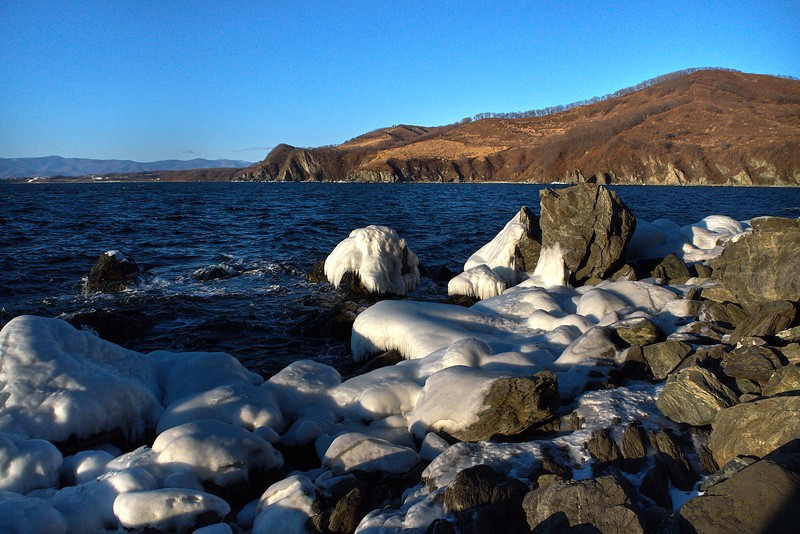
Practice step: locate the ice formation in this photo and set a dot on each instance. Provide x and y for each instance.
(382, 260)
(499, 254)
(167, 509)
(480, 282)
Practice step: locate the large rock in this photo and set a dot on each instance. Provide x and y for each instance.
(783, 380)
(484, 500)
(694, 396)
(672, 270)
(664, 357)
(113, 272)
(762, 497)
(605, 503)
(591, 224)
(766, 320)
(755, 428)
(751, 363)
(763, 266)
(472, 405)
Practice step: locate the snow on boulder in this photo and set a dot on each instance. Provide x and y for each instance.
(288, 507)
(241, 404)
(84, 466)
(27, 464)
(382, 261)
(513, 251)
(381, 393)
(190, 373)
(57, 382)
(473, 405)
(30, 515)
(169, 509)
(354, 451)
(480, 282)
(303, 383)
(215, 451)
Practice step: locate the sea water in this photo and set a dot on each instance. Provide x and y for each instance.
(267, 236)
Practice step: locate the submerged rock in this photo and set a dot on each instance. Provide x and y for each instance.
(591, 224)
(112, 272)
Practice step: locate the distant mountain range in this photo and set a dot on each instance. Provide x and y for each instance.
(58, 166)
(693, 127)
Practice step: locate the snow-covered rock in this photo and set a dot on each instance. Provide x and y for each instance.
(215, 451)
(27, 464)
(57, 382)
(480, 282)
(287, 507)
(360, 452)
(168, 509)
(382, 260)
(29, 515)
(84, 466)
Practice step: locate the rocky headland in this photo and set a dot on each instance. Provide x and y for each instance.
(696, 127)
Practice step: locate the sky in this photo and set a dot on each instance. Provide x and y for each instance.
(151, 80)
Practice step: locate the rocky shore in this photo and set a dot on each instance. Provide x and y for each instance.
(608, 375)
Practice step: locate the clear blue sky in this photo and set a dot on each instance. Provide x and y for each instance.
(149, 80)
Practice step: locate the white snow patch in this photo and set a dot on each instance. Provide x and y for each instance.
(516, 460)
(57, 382)
(499, 254)
(480, 282)
(355, 451)
(432, 446)
(376, 254)
(29, 515)
(694, 242)
(286, 507)
(167, 509)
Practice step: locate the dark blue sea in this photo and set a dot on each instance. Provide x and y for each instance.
(268, 235)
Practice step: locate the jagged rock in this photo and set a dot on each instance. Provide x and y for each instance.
(664, 357)
(348, 512)
(789, 335)
(725, 315)
(634, 450)
(783, 380)
(112, 272)
(529, 245)
(626, 272)
(762, 266)
(718, 293)
(791, 353)
(766, 320)
(672, 270)
(317, 273)
(669, 450)
(694, 396)
(602, 447)
(591, 225)
(755, 428)
(638, 331)
(700, 270)
(727, 471)
(751, 363)
(605, 503)
(480, 496)
(762, 497)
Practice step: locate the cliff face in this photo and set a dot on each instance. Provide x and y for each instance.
(706, 127)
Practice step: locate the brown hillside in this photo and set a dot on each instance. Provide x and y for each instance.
(702, 127)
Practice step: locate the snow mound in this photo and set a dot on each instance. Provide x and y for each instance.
(27, 464)
(354, 451)
(694, 242)
(58, 382)
(480, 282)
(30, 515)
(215, 451)
(382, 260)
(167, 509)
(84, 466)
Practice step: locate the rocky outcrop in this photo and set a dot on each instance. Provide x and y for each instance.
(112, 272)
(762, 266)
(591, 224)
(766, 320)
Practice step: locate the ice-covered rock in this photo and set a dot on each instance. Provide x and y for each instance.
(30, 515)
(215, 451)
(27, 464)
(168, 509)
(512, 252)
(57, 382)
(241, 404)
(382, 261)
(288, 506)
(591, 225)
(360, 452)
(480, 282)
(474, 405)
(84, 466)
